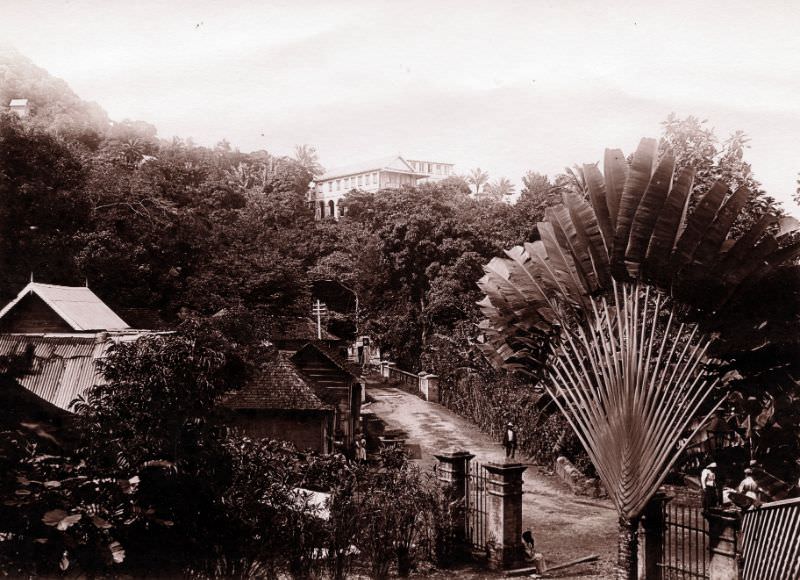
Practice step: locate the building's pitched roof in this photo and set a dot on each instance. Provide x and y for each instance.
(18, 103)
(393, 163)
(64, 365)
(327, 354)
(78, 306)
(277, 386)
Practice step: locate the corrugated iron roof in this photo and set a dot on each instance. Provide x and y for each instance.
(278, 386)
(64, 365)
(78, 306)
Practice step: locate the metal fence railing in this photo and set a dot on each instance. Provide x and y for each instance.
(476, 521)
(771, 541)
(409, 379)
(685, 552)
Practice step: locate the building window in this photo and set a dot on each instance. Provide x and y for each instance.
(338, 184)
(322, 209)
(374, 178)
(429, 168)
(438, 168)
(330, 186)
(360, 183)
(332, 208)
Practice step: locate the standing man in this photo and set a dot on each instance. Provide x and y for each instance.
(510, 441)
(749, 487)
(708, 483)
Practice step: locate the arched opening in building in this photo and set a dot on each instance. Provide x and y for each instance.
(332, 208)
(321, 209)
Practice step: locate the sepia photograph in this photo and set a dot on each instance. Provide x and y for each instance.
(351, 289)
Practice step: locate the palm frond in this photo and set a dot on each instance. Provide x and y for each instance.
(629, 381)
(632, 306)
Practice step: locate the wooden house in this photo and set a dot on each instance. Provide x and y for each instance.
(64, 331)
(280, 403)
(336, 385)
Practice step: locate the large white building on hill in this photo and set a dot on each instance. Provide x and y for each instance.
(384, 173)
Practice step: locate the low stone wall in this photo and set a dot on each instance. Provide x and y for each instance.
(577, 481)
(424, 385)
(684, 495)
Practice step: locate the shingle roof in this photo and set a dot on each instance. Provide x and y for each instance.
(64, 365)
(18, 103)
(393, 163)
(78, 306)
(278, 386)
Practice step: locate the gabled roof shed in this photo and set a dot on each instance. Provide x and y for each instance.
(59, 309)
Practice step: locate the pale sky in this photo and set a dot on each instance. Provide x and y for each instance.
(507, 86)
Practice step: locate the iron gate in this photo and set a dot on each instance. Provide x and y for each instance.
(477, 479)
(684, 552)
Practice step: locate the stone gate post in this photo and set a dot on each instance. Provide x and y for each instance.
(504, 514)
(452, 472)
(433, 388)
(723, 529)
(651, 538)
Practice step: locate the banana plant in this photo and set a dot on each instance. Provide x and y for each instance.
(636, 309)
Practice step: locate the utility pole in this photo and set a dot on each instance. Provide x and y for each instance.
(319, 309)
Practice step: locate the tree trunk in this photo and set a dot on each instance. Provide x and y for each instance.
(628, 550)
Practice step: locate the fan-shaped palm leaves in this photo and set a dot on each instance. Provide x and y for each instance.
(632, 310)
(478, 178)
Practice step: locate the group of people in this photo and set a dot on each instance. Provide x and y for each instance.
(712, 492)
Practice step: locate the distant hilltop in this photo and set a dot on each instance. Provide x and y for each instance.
(51, 103)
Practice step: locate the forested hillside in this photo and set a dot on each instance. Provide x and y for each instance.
(188, 230)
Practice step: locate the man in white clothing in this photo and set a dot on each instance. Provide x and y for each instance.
(708, 483)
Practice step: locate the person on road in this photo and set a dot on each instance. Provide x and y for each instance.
(708, 483)
(510, 440)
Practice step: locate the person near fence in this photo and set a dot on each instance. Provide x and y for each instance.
(749, 487)
(361, 450)
(531, 555)
(510, 440)
(708, 483)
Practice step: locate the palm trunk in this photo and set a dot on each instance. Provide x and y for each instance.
(628, 550)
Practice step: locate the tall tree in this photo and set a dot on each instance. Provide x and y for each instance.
(41, 182)
(694, 144)
(307, 157)
(478, 178)
(499, 190)
(636, 312)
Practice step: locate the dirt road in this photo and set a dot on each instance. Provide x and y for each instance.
(565, 526)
